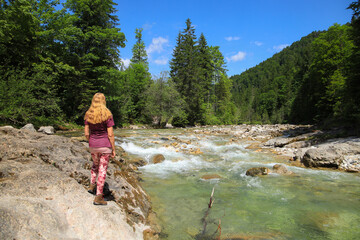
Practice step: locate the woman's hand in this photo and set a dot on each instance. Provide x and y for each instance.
(110, 132)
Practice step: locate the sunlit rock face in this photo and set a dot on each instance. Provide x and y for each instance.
(43, 181)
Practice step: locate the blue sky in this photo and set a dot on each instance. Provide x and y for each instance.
(248, 32)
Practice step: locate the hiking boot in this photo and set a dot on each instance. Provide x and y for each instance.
(91, 189)
(99, 200)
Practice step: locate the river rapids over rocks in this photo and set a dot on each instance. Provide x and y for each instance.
(183, 167)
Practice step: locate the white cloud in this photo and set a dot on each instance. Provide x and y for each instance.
(126, 62)
(232, 38)
(147, 26)
(257, 43)
(161, 60)
(280, 47)
(157, 45)
(237, 57)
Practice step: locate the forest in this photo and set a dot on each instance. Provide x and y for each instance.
(53, 59)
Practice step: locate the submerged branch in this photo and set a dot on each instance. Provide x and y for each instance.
(211, 201)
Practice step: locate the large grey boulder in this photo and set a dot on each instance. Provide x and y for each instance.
(322, 157)
(29, 127)
(43, 195)
(342, 153)
(49, 130)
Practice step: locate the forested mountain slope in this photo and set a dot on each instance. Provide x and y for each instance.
(312, 81)
(267, 91)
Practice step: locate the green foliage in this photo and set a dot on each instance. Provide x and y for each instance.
(266, 92)
(58, 58)
(137, 81)
(184, 71)
(199, 75)
(94, 50)
(18, 39)
(163, 102)
(311, 81)
(52, 61)
(352, 87)
(322, 96)
(138, 50)
(28, 98)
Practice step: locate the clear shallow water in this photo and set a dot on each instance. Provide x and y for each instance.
(312, 204)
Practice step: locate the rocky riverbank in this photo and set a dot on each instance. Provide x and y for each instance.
(43, 180)
(301, 145)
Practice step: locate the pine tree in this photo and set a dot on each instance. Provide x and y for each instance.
(138, 50)
(138, 80)
(93, 51)
(184, 70)
(203, 78)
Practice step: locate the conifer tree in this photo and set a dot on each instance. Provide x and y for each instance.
(184, 70)
(93, 51)
(138, 50)
(204, 75)
(138, 80)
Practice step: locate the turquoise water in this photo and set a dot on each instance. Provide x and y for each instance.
(311, 204)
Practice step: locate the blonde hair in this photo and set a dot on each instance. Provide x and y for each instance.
(98, 112)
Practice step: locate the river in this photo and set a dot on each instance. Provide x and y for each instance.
(310, 204)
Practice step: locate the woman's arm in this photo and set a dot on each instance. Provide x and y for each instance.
(87, 132)
(111, 137)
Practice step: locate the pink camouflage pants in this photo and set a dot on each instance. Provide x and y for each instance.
(98, 169)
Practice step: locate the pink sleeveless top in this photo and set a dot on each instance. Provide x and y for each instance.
(98, 133)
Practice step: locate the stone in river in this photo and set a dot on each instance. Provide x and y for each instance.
(210, 176)
(322, 157)
(281, 169)
(256, 171)
(158, 158)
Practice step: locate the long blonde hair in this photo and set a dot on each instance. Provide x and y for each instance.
(98, 112)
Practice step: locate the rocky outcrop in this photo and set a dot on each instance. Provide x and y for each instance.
(322, 157)
(341, 153)
(43, 181)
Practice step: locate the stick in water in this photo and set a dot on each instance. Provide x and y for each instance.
(211, 198)
(211, 201)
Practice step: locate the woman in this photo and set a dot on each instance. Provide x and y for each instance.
(99, 132)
